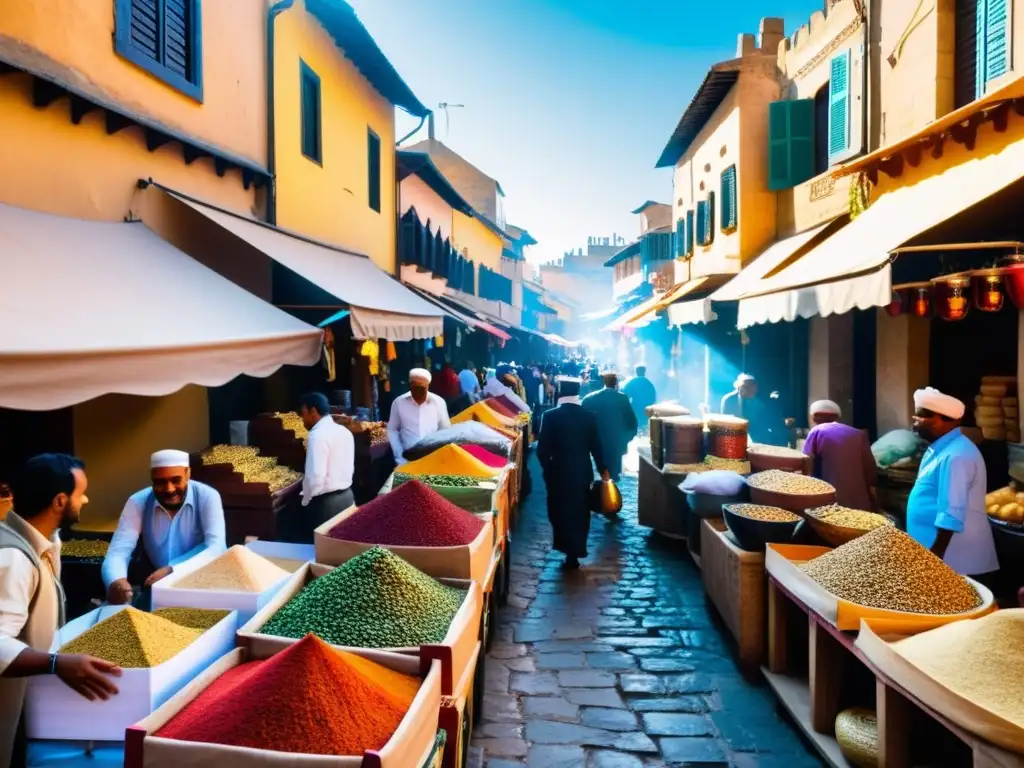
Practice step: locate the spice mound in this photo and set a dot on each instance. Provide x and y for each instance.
(133, 639)
(979, 660)
(375, 600)
(489, 458)
(442, 481)
(779, 451)
(507, 401)
(887, 569)
(193, 618)
(777, 481)
(308, 699)
(84, 548)
(485, 414)
(764, 514)
(845, 517)
(411, 516)
(237, 570)
(450, 460)
(500, 408)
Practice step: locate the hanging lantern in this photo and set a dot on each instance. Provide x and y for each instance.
(921, 298)
(1013, 280)
(952, 297)
(901, 303)
(989, 290)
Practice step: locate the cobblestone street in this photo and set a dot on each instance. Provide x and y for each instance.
(619, 665)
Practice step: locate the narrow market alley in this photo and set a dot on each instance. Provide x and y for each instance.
(618, 665)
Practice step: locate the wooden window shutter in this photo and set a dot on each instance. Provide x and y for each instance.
(839, 106)
(690, 224)
(790, 143)
(729, 206)
(145, 27)
(177, 37)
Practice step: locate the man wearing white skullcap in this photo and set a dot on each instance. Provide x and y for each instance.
(841, 456)
(415, 415)
(175, 517)
(946, 508)
(764, 423)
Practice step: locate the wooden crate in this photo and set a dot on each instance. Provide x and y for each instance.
(660, 504)
(735, 581)
(457, 717)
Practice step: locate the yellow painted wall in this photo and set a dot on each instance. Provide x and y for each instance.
(483, 244)
(73, 39)
(115, 435)
(414, 193)
(330, 202)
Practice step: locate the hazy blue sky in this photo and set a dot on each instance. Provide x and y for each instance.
(568, 103)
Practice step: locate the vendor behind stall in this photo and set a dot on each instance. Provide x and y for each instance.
(841, 456)
(176, 517)
(946, 508)
(415, 415)
(765, 424)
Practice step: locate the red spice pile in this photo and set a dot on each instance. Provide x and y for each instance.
(489, 458)
(510, 406)
(308, 699)
(499, 407)
(412, 515)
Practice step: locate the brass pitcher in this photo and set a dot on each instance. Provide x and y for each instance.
(605, 498)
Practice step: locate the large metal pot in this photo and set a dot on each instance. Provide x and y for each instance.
(605, 498)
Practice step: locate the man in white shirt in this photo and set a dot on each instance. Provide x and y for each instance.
(330, 465)
(49, 495)
(415, 415)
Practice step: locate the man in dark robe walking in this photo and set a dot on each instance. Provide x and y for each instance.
(616, 422)
(568, 440)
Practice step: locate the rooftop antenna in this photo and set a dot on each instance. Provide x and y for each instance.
(444, 106)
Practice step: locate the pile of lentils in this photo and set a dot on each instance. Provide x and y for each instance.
(193, 618)
(237, 570)
(375, 600)
(411, 516)
(133, 639)
(887, 569)
(443, 481)
(845, 517)
(777, 481)
(84, 549)
(763, 513)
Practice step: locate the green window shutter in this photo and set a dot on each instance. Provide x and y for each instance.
(679, 238)
(839, 105)
(790, 143)
(709, 219)
(993, 42)
(702, 221)
(689, 232)
(729, 208)
(373, 167)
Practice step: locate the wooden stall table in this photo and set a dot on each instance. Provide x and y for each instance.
(660, 504)
(734, 579)
(809, 661)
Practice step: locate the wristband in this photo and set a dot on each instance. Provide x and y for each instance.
(53, 663)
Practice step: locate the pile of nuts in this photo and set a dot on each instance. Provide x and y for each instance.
(887, 569)
(728, 465)
(763, 513)
(845, 517)
(777, 481)
(293, 423)
(253, 467)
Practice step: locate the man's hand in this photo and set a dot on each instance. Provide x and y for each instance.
(119, 592)
(158, 574)
(605, 476)
(88, 676)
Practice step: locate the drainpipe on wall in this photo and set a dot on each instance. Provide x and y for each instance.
(272, 13)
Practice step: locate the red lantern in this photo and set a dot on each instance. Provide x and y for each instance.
(922, 300)
(952, 297)
(1013, 279)
(989, 290)
(901, 303)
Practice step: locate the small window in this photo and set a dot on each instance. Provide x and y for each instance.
(680, 238)
(373, 163)
(821, 101)
(690, 231)
(729, 206)
(310, 95)
(706, 220)
(163, 37)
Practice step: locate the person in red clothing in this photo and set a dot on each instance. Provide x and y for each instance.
(446, 383)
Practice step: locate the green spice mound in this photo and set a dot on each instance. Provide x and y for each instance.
(133, 639)
(375, 600)
(444, 481)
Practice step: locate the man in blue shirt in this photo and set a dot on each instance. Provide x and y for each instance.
(946, 508)
(176, 518)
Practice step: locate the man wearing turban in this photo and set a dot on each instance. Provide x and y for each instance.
(946, 508)
(176, 518)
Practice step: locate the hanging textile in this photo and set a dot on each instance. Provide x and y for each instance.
(439, 341)
(371, 350)
(392, 353)
(328, 354)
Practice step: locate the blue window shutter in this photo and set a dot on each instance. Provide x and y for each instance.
(689, 232)
(702, 221)
(994, 43)
(709, 224)
(729, 208)
(790, 143)
(839, 105)
(680, 238)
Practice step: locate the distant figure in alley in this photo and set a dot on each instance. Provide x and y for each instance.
(616, 422)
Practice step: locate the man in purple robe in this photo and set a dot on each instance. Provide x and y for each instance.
(841, 456)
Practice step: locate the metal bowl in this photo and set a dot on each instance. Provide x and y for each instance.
(708, 504)
(752, 535)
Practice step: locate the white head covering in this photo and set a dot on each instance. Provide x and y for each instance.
(826, 406)
(931, 399)
(420, 373)
(168, 458)
(742, 379)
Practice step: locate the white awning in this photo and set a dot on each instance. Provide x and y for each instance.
(698, 311)
(92, 308)
(382, 308)
(851, 269)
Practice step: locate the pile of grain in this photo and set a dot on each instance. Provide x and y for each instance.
(777, 481)
(237, 570)
(763, 513)
(887, 569)
(193, 618)
(845, 517)
(133, 639)
(980, 660)
(84, 548)
(728, 465)
(450, 460)
(778, 451)
(375, 600)
(411, 516)
(996, 409)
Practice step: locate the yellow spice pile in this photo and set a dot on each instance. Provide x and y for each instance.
(978, 659)
(133, 639)
(887, 569)
(237, 570)
(193, 618)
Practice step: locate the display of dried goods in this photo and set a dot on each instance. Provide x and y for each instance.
(450, 459)
(777, 481)
(763, 513)
(729, 465)
(888, 569)
(1005, 504)
(86, 549)
(237, 570)
(779, 451)
(292, 422)
(133, 639)
(445, 481)
(193, 618)
(246, 460)
(845, 517)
